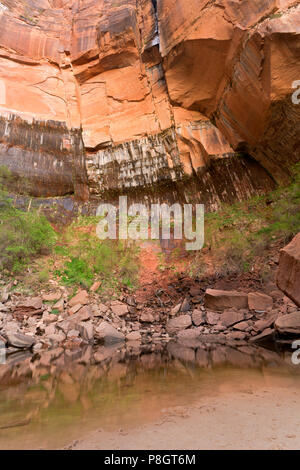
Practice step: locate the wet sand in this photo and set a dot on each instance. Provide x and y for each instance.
(265, 419)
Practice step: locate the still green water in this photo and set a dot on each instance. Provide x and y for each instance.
(49, 400)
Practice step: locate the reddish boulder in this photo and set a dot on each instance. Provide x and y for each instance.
(34, 303)
(221, 300)
(288, 324)
(81, 298)
(119, 308)
(213, 318)
(265, 322)
(179, 323)
(134, 336)
(231, 317)
(198, 317)
(258, 301)
(108, 334)
(288, 275)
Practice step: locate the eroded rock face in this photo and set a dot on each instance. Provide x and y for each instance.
(101, 96)
(236, 62)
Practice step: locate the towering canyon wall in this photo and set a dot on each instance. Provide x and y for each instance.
(149, 96)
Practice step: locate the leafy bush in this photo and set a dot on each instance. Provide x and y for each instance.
(86, 258)
(77, 272)
(23, 235)
(284, 220)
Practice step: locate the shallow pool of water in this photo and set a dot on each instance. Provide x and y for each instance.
(48, 400)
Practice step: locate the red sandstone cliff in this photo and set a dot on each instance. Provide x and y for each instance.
(100, 95)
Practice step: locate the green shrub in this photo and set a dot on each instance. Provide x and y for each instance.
(77, 272)
(284, 220)
(23, 235)
(88, 258)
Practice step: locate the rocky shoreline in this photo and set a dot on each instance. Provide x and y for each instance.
(188, 310)
(213, 316)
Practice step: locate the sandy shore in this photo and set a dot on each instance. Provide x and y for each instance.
(266, 419)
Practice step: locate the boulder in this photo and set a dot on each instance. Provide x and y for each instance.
(73, 334)
(119, 308)
(197, 299)
(231, 317)
(108, 334)
(243, 326)
(288, 275)
(3, 341)
(99, 310)
(65, 326)
(265, 322)
(131, 301)
(266, 335)
(19, 340)
(30, 306)
(37, 347)
(179, 323)
(52, 297)
(190, 334)
(185, 307)
(133, 336)
(12, 327)
(81, 298)
(198, 317)
(147, 317)
(221, 300)
(258, 301)
(86, 331)
(213, 318)
(175, 310)
(288, 324)
(49, 318)
(74, 309)
(219, 328)
(60, 305)
(50, 330)
(34, 303)
(57, 337)
(5, 295)
(84, 314)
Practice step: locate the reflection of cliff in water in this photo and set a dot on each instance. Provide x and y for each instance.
(44, 395)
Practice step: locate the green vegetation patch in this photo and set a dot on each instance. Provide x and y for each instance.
(23, 235)
(237, 234)
(85, 258)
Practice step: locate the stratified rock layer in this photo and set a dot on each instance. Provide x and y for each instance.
(102, 96)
